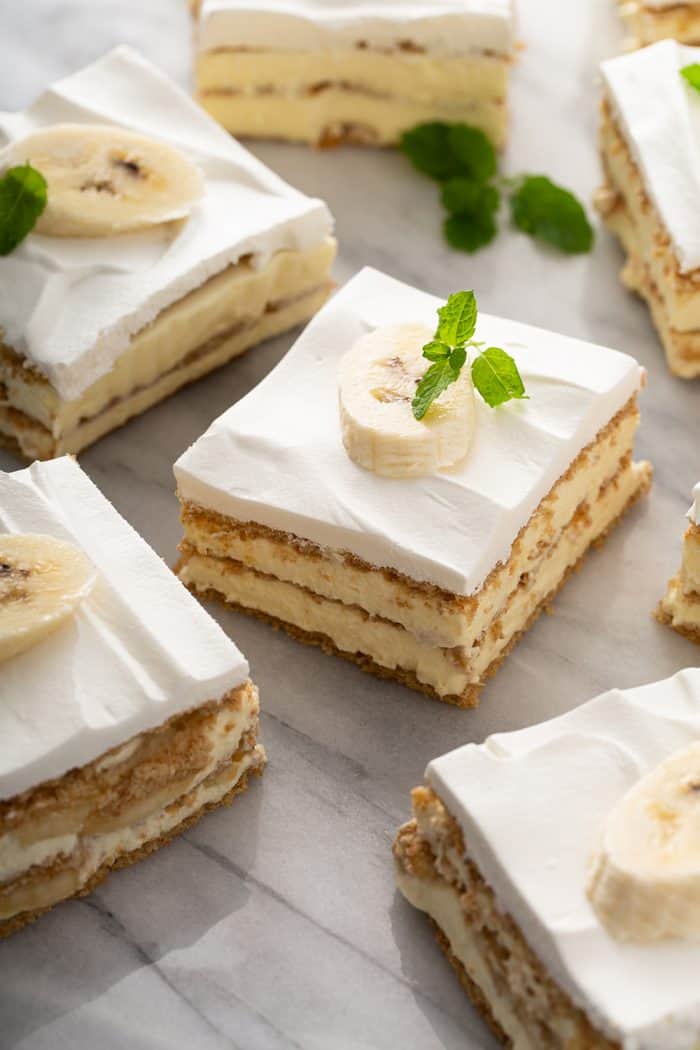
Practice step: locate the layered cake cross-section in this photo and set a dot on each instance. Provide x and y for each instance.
(561, 867)
(165, 249)
(651, 198)
(345, 71)
(126, 712)
(429, 577)
(652, 20)
(680, 607)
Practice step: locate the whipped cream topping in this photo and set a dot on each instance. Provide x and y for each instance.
(138, 650)
(72, 305)
(447, 26)
(532, 805)
(277, 457)
(694, 512)
(658, 113)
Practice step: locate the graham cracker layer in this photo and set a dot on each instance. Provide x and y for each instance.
(16, 923)
(648, 24)
(504, 978)
(470, 696)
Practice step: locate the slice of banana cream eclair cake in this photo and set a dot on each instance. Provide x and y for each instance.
(125, 710)
(160, 250)
(413, 483)
(560, 867)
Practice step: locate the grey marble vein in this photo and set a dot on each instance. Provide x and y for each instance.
(275, 924)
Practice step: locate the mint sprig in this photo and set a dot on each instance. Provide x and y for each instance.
(464, 161)
(22, 200)
(692, 75)
(494, 372)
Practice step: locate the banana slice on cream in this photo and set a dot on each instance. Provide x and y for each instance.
(644, 881)
(378, 380)
(42, 582)
(104, 180)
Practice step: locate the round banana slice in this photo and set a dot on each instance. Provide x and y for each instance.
(104, 180)
(378, 380)
(644, 882)
(42, 581)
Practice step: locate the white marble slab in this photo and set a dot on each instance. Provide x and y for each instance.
(275, 924)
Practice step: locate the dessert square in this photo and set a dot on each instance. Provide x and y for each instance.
(123, 725)
(680, 607)
(428, 580)
(330, 73)
(650, 196)
(652, 20)
(517, 853)
(95, 328)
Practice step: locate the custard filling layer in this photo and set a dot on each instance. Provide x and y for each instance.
(449, 671)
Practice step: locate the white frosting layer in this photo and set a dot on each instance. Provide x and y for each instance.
(72, 305)
(694, 512)
(277, 457)
(139, 649)
(659, 115)
(448, 26)
(532, 805)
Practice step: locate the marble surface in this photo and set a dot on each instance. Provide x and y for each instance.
(275, 924)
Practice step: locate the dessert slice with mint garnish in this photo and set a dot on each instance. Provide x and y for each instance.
(463, 160)
(402, 419)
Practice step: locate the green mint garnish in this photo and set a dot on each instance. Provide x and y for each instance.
(22, 200)
(464, 161)
(549, 213)
(692, 75)
(494, 372)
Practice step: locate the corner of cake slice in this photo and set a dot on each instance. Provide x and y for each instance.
(565, 905)
(650, 197)
(421, 551)
(165, 250)
(126, 711)
(651, 20)
(680, 607)
(353, 72)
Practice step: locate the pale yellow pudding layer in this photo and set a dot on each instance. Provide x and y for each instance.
(680, 608)
(231, 312)
(648, 24)
(432, 615)
(363, 96)
(496, 966)
(55, 839)
(454, 674)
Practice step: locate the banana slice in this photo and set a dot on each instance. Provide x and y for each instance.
(644, 881)
(103, 180)
(378, 379)
(42, 581)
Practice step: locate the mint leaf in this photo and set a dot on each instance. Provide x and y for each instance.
(495, 375)
(443, 150)
(457, 358)
(692, 75)
(470, 231)
(436, 379)
(464, 195)
(436, 351)
(473, 152)
(457, 319)
(22, 200)
(552, 214)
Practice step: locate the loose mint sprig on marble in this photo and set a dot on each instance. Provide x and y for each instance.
(494, 372)
(463, 160)
(22, 200)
